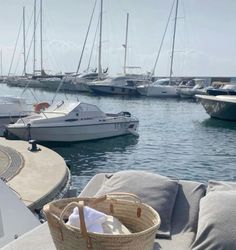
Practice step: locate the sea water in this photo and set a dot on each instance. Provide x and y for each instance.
(176, 138)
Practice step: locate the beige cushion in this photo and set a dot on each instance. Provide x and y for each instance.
(157, 191)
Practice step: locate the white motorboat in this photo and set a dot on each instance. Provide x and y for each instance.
(159, 88)
(221, 107)
(192, 88)
(120, 85)
(73, 121)
(11, 109)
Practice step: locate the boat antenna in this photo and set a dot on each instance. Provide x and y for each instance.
(24, 72)
(85, 40)
(34, 37)
(126, 41)
(1, 62)
(100, 44)
(41, 35)
(162, 40)
(173, 41)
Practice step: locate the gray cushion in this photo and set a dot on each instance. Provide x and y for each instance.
(156, 190)
(186, 209)
(217, 222)
(184, 217)
(220, 186)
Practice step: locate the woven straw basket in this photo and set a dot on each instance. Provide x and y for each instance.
(141, 219)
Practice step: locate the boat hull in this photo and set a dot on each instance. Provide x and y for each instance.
(5, 120)
(158, 91)
(219, 108)
(74, 133)
(113, 90)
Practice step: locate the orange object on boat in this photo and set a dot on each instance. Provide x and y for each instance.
(41, 106)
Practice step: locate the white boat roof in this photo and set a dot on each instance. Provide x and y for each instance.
(222, 98)
(64, 108)
(68, 106)
(11, 99)
(229, 86)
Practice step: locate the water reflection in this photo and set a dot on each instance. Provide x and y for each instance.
(87, 156)
(217, 123)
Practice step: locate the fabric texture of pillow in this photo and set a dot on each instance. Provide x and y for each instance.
(220, 186)
(217, 222)
(157, 191)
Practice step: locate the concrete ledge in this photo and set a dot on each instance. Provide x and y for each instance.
(42, 177)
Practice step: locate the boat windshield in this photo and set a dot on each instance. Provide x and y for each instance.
(86, 110)
(62, 107)
(164, 82)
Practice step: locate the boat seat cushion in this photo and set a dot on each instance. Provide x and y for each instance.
(217, 220)
(184, 217)
(157, 191)
(220, 186)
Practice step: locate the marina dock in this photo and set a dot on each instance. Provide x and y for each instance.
(36, 176)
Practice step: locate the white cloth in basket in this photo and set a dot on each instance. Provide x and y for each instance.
(97, 222)
(93, 219)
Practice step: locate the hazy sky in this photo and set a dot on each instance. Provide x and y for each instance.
(205, 38)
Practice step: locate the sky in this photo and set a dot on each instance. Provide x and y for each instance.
(205, 36)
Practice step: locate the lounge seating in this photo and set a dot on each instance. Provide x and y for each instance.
(194, 216)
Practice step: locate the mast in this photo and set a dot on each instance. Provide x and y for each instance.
(173, 41)
(85, 40)
(162, 40)
(100, 45)
(34, 49)
(41, 35)
(24, 72)
(126, 41)
(1, 62)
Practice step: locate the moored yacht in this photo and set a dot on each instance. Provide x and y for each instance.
(73, 121)
(159, 88)
(221, 107)
(193, 87)
(11, 109)
(120, 85)
(227, 89)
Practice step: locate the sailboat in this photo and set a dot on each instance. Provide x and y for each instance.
(70, 121)
(13, 107)
(120, 85)
(164, 87)
(79, 81)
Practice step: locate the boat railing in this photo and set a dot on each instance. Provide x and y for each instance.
(54, 112)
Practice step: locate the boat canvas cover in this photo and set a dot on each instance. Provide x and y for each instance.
(15, 218)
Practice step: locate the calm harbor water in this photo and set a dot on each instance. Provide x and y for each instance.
(177, 138)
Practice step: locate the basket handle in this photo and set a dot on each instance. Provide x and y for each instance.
(83, 228)
(124, 195)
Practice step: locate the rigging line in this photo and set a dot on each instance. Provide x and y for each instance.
(36, 99)
(173, 42)
(91, 53)
(27, 31)
(162, 40)
(85, 40)
(26, 86)
(18, 35)
(31, 42)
